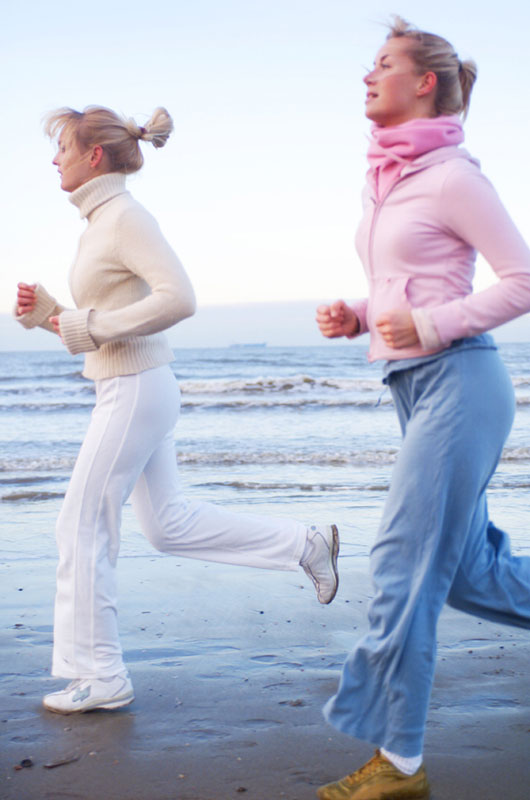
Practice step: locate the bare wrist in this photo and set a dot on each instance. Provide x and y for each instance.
(355, 328)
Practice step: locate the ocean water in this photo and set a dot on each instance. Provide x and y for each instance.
(306, 432)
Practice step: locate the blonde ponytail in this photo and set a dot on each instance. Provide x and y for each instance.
(117, 135)
(158, 128)
(467, 76)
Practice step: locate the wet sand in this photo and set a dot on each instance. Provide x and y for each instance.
(231, 668)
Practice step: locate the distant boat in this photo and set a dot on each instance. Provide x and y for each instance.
(249, 344)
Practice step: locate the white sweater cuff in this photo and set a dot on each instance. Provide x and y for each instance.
(43, 309)
(426, 330)
(74, 331)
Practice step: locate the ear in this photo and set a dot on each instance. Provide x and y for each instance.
(96, 155)
(428, 84)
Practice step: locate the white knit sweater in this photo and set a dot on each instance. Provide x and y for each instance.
(126, 281)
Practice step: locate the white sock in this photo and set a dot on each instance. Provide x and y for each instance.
(406, 765)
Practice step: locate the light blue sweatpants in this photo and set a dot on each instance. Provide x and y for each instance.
(435, 543)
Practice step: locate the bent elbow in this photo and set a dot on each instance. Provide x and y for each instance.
(177, 304)
(190, 306)
(184, 306)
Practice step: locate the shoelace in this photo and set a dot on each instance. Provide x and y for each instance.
(73, 684)
(370, 768)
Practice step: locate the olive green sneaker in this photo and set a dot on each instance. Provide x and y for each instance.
(377, 780)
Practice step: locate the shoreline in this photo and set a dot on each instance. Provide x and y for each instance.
(231, 667)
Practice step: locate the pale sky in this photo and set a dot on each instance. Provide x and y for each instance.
(258, 189)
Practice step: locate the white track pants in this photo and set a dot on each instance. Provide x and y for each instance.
(129, 451)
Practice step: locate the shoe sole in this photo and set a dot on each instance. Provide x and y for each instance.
(418, 793)
(117, 703)
(393, 796)
(334, 555)
(424, 794)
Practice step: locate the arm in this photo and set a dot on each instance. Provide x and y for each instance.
(338, 319)
(34, 306)
(399, 329)
(472, 209)
(144, 251)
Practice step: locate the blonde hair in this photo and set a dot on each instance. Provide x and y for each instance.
(117, 135)
(432, 53)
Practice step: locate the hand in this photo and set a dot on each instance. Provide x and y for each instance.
(54, 321)
(397, 329)
(336, 320)
(26, 298)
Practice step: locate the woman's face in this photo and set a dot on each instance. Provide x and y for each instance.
(394, 86)
(73, 165)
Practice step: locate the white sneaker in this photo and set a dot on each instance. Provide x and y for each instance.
(319, 560)
(86, 694)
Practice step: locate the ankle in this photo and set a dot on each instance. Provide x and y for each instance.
(408, 766)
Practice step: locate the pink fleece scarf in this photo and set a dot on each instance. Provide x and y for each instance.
(393, 147)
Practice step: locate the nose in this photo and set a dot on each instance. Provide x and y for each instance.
(369, 78)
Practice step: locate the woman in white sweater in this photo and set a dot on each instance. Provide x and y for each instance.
(129, 286)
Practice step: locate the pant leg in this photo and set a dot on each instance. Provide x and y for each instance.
(129, 444)
(491, 582)
(123, 432)
(193, 529)
(455, 414)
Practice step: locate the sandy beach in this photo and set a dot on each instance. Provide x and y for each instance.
(231, 668)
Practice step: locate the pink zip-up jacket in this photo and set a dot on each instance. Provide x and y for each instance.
(418, 246)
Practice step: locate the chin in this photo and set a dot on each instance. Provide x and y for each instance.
(382, 121)
(373, 116)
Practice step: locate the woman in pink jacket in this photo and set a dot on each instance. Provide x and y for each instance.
(427, 210)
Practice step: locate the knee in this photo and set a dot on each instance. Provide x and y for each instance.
(166, 527)
(454, 599)
(459, 592)
(157, 538)
(155, 532)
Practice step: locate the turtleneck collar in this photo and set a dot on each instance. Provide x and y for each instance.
(93, 193)
(392, 148)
